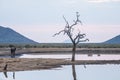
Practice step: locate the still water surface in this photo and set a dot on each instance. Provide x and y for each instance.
(68, 56)
(78, 56)
(70, 72)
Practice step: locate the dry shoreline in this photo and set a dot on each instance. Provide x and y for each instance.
(22, 64)
(6, 51)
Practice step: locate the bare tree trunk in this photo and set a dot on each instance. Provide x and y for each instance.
(73, 52)
(74, 37)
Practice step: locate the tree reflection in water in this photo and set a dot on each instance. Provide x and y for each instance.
(5, 73)
(13, 75)
(74, 72)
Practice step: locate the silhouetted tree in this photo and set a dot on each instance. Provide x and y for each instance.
(75, 38)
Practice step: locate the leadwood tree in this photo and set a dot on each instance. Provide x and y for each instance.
(74, 34)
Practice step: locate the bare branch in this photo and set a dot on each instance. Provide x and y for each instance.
(67, 24)
(69, 31)
(77, 20)
(70, 36)
(58, 33)
(79, 36)
(76, 36)
(78, 15)
(82, 41)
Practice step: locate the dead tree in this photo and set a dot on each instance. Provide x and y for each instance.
(69, 31)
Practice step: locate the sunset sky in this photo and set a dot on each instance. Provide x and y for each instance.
(39, 20)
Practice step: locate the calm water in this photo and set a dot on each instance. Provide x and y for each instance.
(68, 56)
(71, 72)
(78, 56)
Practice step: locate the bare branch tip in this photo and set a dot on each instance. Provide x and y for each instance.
(87, 39)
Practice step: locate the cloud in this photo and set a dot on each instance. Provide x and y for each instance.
(102, 1)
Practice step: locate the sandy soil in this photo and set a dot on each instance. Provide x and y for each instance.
(18, 64)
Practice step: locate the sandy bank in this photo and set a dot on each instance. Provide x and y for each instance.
(22, 64)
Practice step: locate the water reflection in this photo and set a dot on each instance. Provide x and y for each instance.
(70, 72)
(13, 75)
(6, 75)
(74, 72)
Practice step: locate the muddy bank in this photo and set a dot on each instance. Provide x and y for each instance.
(18, 64)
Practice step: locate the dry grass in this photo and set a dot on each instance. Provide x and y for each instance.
(6, 51)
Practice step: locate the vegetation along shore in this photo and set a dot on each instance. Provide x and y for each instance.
(21, 64)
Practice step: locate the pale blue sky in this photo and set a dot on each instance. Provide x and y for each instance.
(40, 19)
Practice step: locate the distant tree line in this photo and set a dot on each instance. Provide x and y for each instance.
(62, 45)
